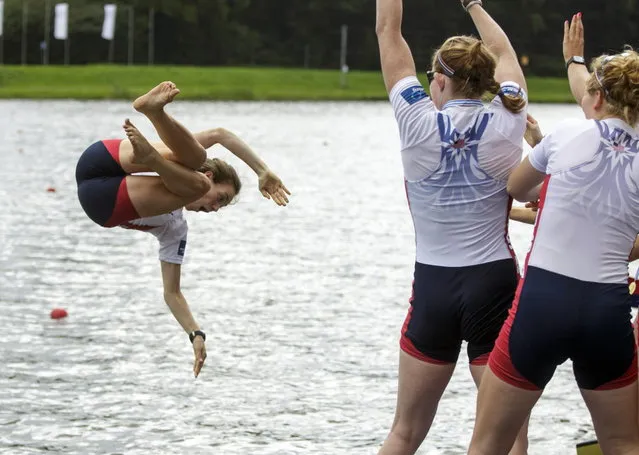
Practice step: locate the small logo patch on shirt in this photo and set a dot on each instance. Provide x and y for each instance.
(414, 94)
(182, 248)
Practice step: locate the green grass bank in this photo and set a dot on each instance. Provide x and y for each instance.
(93, 82)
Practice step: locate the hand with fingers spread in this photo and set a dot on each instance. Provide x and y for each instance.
(573, 45)
(533, 133)
(199, 349)
(272, 187)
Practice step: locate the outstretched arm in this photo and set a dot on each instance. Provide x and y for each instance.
(395, 55)
(573, 46)
(237, 147)
(270, 184)
(493, 36)
(181, 311)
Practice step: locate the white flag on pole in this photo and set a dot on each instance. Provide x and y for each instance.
(1, 15)
(108, 27)
(60, 26)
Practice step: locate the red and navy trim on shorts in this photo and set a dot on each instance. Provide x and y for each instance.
(102, 188)
(554, 318)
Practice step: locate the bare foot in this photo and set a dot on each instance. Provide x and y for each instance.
(143, 152)
(157, 98)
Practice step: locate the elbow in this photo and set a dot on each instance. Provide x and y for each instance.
(171, 296)
(197, 187)
(219, 135)
(384, 28)
(380, 28)
(516, 193)
(201, 186)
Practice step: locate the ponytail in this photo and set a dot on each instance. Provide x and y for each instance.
(512, 98)
(473, 66)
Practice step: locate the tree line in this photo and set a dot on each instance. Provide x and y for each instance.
(294, 33)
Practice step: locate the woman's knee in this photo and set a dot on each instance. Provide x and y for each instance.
(409, 433)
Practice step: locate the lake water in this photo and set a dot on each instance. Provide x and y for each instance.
(302, 305)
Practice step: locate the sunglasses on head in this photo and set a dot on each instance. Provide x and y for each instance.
(430, 75)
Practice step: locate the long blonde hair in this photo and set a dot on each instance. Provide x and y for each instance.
(471, 66)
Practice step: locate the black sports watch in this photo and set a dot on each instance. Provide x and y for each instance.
(196, 333)
(575, 59)
(468, 3)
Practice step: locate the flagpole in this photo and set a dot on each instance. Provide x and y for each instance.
(151, 55)
(23, 50)
(111, 49)
(1, 32)
(108, 28)
(61, 27)
(131, 36)
(47, 31)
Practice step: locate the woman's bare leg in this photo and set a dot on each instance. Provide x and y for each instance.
(614, 415)
(178, 179)
(520, 447)
(634, 329)
(186, 148)
(206, 139)
(502, 410)
(420, 388)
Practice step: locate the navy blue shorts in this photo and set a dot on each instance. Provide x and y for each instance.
(453, 304)
(102, 187)
(555, 318)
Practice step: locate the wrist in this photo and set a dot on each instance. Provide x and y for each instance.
(468, 4)
(578, 59)
(196, 333)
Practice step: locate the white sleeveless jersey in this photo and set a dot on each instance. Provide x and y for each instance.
(456, 165)
(170, 229)
(590, 214)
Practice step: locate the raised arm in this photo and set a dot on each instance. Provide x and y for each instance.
(181, 311)
(239, 148)
(270, 184)
(573, 49)
(493, 36)
(396, 59)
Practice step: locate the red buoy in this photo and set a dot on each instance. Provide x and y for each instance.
(59, 313)
(51, 190)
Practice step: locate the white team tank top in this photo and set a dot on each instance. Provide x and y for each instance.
(590, 215)
(456, 165)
